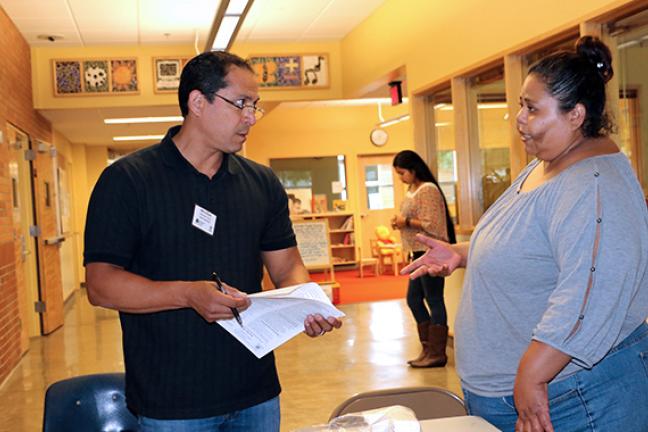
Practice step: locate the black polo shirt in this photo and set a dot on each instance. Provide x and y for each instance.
(140, 218)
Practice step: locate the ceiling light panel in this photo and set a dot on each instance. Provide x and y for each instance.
(136, 120)
(236, 7)
(138, 138)
(225, 31)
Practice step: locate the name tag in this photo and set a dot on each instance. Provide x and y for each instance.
(204, 220)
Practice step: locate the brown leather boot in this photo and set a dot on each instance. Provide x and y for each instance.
(436, 353)
(423, 337)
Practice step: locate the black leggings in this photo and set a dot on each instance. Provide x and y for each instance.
(430, 289)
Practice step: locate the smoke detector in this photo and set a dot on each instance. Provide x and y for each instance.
(50, 37)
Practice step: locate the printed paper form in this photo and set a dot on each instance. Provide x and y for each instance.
(276, 316)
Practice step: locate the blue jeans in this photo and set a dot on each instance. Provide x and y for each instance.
(612, 396)
(263, 417)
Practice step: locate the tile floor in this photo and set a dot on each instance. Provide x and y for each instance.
(369, 352)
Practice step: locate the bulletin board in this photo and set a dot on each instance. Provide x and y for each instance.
(314, 246)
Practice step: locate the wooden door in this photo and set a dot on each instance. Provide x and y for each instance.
(381, 193)
(49, 240)
(23, 218)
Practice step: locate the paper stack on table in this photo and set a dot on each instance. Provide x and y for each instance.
(276, 316)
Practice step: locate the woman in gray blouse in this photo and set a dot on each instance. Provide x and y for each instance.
(551, 333)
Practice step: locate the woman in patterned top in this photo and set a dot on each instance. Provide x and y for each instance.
(424, 210)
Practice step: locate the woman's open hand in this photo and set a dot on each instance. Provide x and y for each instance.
(439, 260)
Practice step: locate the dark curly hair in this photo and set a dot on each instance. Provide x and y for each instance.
(579, 76)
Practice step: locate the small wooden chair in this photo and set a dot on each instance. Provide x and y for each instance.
(388, 256)
(367, 261)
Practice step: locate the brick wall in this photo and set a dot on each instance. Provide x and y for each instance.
(16, 108)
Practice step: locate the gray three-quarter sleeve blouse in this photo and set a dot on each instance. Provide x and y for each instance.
(564, 264)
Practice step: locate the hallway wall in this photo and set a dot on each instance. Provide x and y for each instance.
(433, 39)
(15, 108)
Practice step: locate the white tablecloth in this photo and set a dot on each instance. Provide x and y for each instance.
(457, 424)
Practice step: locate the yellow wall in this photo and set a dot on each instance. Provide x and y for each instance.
(80, 191)
(436, 38)
(71, 245)
(62, 145)
(327, 131)
(96, 161)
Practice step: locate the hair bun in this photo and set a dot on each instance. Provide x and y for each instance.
(597, 54)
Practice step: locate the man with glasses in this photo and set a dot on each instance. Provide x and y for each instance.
(160, 222)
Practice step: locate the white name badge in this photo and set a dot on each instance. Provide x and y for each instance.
(204, 220)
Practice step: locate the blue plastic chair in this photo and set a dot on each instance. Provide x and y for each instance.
(88, 403)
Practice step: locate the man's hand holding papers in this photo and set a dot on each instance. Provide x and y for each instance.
(276, 316)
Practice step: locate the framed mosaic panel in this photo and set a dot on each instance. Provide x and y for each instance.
(96, 76)
(291, 71)
(67, 77)
(123, 76)
(315, 71)
(93, 77)
(166, 73)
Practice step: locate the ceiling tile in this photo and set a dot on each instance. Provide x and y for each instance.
(174, 14)
(70, 37)
(103, 37)
(176, 37)
(338, 21)
(45, 25)
(35, 8)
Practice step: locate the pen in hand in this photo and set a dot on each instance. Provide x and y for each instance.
(219, 284)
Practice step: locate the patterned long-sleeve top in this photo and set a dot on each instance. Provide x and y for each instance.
(426, 205)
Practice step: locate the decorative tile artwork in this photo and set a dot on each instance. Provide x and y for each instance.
(291, 71)
(67, 77)
(124, 75)
(95, 77)
(167, 73)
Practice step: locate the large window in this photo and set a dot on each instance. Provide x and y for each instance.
(631, 37)
(379, 184)
(488, 107)
(313, 184)
(446, 153)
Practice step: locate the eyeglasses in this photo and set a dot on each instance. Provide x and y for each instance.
(240, 104)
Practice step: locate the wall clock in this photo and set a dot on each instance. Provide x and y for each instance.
(378, 137)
